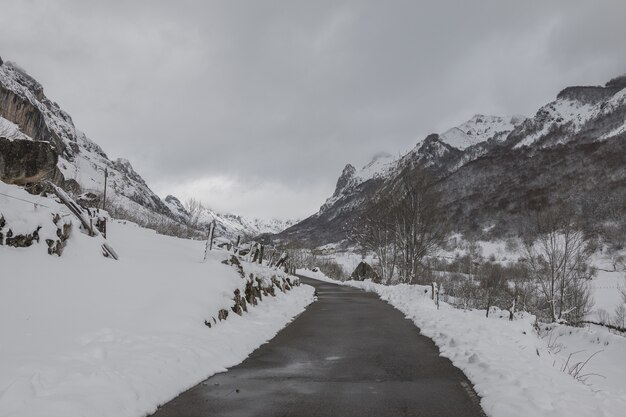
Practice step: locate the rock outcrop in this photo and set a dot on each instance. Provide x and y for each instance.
(364, 271)
(23, 162)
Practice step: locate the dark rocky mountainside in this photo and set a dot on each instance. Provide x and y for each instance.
(495, 172)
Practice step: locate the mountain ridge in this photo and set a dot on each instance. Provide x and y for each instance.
(503, 162)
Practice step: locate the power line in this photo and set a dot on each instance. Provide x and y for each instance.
(25, 201)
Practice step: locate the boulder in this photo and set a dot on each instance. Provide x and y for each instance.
(364, 271)
(24, 161)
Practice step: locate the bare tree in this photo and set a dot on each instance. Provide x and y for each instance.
(376, 232)
(194, 208)
(493, 284)
(403, 226)
(420, 223)
(558, 260)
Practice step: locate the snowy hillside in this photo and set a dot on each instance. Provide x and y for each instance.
(81, 162)
(27, 114)
(11, 131)
(380, 164)
(227, 225)
(578, 113)
(500, 169)
(480, 128)
(85, 335)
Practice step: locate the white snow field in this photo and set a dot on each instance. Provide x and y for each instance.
(516, 370)
(84, 335)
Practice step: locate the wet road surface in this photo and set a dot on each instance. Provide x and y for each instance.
(348, 354)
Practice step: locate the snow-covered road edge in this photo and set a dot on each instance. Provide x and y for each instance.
(138, 373)
(511, 367)
(239, 336)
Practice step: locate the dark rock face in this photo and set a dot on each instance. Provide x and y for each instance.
(23, 161)
(364, 271)
(587, 95)
(617, 82)
(344, 179)
(26, 115)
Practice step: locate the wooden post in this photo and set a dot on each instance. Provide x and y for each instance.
(211, 234)
(281, 261)
(250, 254)
(104, 198)
(435, 293)
(261, 255)
(209, 241)
(256, 253)
(512, 313)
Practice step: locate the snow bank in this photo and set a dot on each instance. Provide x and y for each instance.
(83, 335)
(514, 370)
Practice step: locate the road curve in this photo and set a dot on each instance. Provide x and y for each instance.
(348, 354)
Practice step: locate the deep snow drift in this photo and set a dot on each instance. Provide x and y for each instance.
(83, 335)
(516, 370)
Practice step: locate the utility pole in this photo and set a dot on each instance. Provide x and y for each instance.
(104, 198)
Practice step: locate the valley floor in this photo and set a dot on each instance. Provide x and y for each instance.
(518, 371)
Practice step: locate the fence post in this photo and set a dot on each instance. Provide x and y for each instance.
(209, 241)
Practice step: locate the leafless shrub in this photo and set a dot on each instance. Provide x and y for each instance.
(576, 369)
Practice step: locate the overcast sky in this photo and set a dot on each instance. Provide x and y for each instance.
(254, 107)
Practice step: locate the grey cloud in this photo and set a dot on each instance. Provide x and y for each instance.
(287, 92)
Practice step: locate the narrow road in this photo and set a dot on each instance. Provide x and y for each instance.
(348, 354)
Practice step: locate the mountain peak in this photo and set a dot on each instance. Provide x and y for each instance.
(345, 178)
(480, 128)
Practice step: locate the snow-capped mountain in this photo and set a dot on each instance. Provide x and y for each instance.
(78, 165)
(229, 225)
(480, 128)
(578, 114)
(499, 169)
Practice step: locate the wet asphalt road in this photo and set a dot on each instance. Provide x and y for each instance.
(348, 354)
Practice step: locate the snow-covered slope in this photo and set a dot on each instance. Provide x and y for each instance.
(227, 225)
(27, 114)
(11, 131)
(84, 335)
(578, 113)
(480, 128)
(379, 166)
(232, 225)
